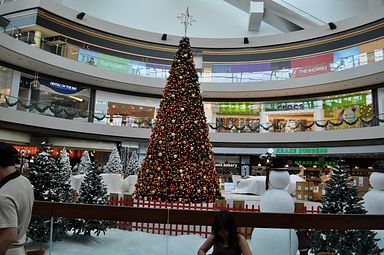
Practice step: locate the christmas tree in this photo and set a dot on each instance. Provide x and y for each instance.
(41, 174)
(92, 191)
(179, 164)
(85, 163)
(63, 190)
(64, 162)
(341, 198)
(114, 165)
(133, 164)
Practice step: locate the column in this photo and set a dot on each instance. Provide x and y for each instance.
(37, 39)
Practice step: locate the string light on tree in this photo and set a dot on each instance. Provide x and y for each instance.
(179, 164)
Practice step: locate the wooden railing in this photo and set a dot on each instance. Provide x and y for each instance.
(192, 217)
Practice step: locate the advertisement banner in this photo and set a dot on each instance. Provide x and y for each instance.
(345, 59)
(311, 70)
(104, 61)
(312, 65)
(60, 87)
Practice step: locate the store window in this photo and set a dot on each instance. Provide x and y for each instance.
(5, 81)
(234, 117)
(58, 99)
(125, 110)
(348, 110)
(313, 114)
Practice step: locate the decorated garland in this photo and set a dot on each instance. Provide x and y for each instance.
(72, 113)
(266, 126)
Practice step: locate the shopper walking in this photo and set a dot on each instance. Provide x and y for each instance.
(16, 201)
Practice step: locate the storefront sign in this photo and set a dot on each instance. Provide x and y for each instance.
(314, 163)
(236, 108)
(60, 87)
(289, 106)
(300, 150)
(231, 165)
(311, 70)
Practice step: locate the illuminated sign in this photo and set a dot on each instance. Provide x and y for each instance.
(232, 165)
(300, 150)
(60, 87)
(290, 107)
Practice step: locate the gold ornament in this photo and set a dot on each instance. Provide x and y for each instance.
(160, 154)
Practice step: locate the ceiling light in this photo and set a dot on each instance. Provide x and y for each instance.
(76, 98)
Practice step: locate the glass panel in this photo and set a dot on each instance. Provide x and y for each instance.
(123, 237)
(5, 81)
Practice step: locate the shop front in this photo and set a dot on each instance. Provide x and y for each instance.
(312, 114)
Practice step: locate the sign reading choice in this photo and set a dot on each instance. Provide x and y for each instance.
(300, 150)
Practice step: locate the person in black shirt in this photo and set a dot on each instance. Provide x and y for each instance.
(225, 238)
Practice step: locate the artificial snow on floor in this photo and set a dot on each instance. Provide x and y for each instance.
(116, 242)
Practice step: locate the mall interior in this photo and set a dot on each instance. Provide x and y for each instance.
(301, 84)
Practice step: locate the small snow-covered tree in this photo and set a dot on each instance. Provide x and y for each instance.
(41, 175)
(85, 163)
(92, 191)
(341, 198)
(114, 165)
(64, 163)
(133, 164)
(63, 190)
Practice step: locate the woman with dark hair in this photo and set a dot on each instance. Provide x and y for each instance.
(225, 238)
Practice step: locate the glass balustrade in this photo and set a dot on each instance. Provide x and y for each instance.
(240, 124)
(164, 230)
(353, 57)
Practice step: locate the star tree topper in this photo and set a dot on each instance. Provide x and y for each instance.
(187, 20)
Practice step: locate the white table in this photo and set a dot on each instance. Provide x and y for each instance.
(256, 185)
(112, 181)
(76, 180)
(129, 184)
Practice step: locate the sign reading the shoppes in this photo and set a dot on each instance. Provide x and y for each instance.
(300, 150)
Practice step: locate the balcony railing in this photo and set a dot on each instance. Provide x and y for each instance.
(64, 112)
(226, 73)
(130, 241)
